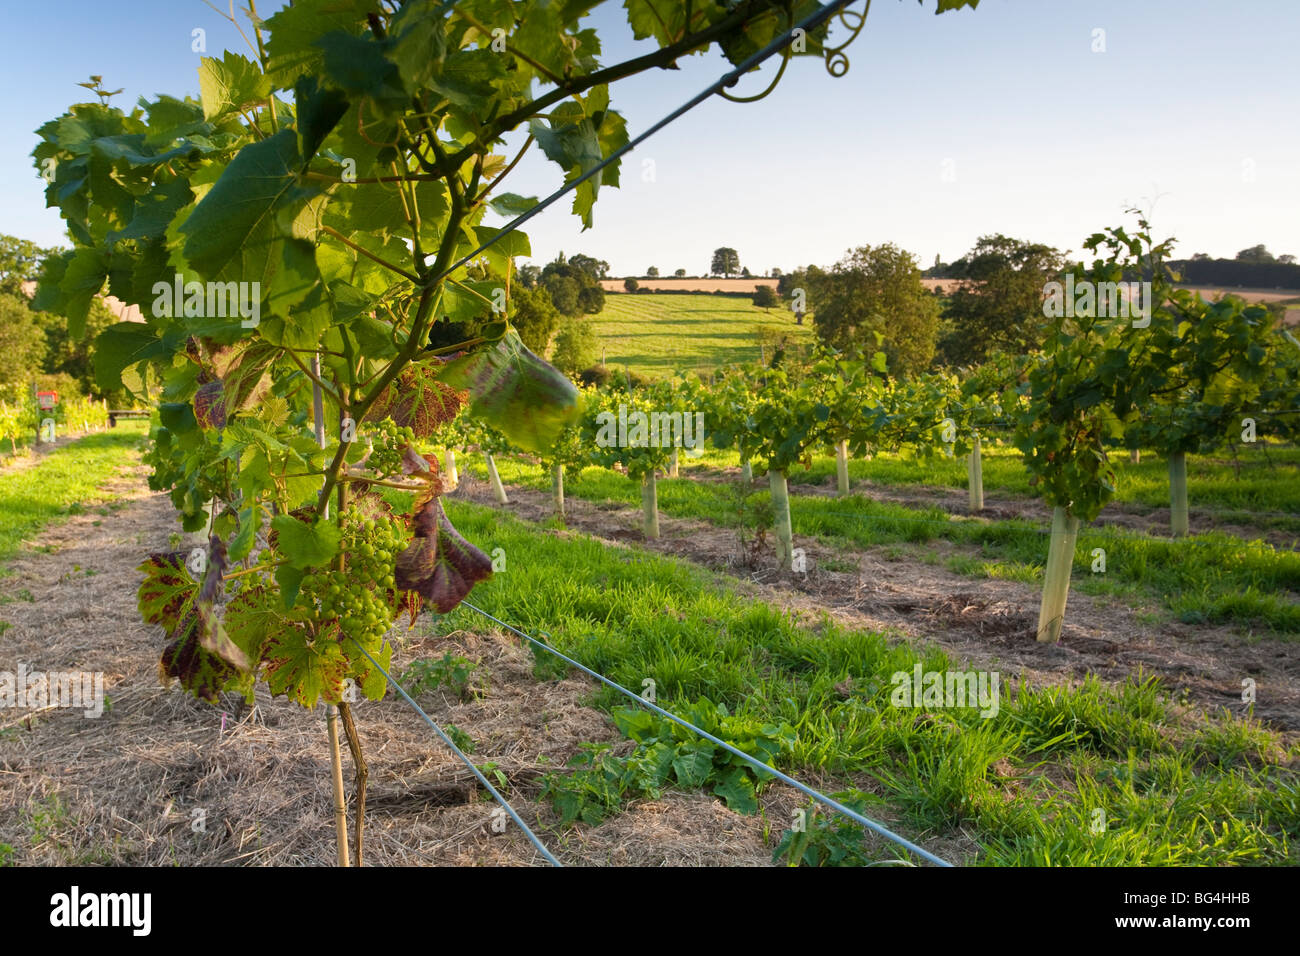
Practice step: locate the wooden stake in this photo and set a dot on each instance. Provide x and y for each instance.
(336, 781)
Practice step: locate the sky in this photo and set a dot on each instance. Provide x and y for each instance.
(1039, 119)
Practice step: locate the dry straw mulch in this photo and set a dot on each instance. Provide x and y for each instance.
(131, 787)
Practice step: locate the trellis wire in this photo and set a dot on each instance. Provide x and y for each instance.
(469, 763)
(754, 761)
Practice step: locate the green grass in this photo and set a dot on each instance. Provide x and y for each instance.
(1207, 578)
(1266, 484)
(1173, 788)
(657, 335)
(64, 482)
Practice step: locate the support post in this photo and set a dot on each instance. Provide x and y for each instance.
(1056, 578)
(494, 477)
(557, 488)
(975, 476)
(1178, 518)
(650, 505)
(781, 515)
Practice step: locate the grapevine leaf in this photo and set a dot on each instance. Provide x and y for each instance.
(167, 589)
(512, 204)
(419, 41)
(305, 669)
(440, 565)
(122, 345)
(253, 225)
(230, 84)
(305, 545)
(319, 111)
(252, 617)
(289, 580)
(515, 392)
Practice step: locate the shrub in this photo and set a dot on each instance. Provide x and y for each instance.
(597, 376)
(631, 285)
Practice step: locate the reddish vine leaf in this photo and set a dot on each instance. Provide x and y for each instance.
(199, 653)
(440, 565)
(419, 401)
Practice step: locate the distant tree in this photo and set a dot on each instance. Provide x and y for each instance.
(1255, 254)
(535, 317)
(528, 275)
(877, 291)
(745, 272)
(1002, 308)
(597, 269)
(775, 273)
(576, 347)
(591, 299)
(20, 261)
(1201, 257)
(1286, 259)
(631, 285)
(574, 284)
(564, 291)
(652, 272)
(765, 297)
(680, 273)
(726, 262)
(69, 356)
(22, 346)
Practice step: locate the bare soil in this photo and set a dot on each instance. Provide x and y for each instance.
(905, 590)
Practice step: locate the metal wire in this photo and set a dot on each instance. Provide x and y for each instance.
(457, 751)
(754, 761)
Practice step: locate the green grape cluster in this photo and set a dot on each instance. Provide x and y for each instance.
(362, 596)
(389, 442)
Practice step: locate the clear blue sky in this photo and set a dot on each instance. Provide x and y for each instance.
(1193, 101)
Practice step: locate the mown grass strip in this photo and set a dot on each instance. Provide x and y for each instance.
(1025, 782)
(1214, 577)
(63, 483)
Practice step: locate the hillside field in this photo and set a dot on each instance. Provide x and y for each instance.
(658, 334)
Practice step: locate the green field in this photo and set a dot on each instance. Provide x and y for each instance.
(656, 335)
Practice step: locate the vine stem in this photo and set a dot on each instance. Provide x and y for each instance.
(362, 774)
(331, 710)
